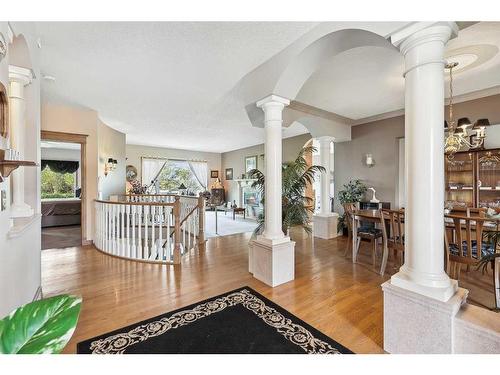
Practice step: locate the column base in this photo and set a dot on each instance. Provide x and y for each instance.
(441, 293)
(271, 261)
(21, 210)
(418, 324)
(325, 225)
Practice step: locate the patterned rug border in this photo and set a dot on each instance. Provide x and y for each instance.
(317, 335)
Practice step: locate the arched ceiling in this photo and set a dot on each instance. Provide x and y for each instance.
(179, 85)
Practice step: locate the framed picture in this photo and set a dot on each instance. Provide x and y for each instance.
(250, 163)
(229, 173)
(214, 174)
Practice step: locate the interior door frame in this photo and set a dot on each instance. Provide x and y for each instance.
(47, 135)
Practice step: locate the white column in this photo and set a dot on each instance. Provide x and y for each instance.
(324, 153)
(18, 78)
(325, 222)
(272, 258)
(273, 112)
(423, 270)
(421, 297)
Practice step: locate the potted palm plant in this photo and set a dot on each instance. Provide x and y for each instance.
(352, 192)
(296, 207)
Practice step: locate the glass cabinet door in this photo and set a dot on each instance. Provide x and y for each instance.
(489, 179)
(459, 181)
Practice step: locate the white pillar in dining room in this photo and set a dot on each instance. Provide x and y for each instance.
(325, 222)
(272, 254)
(421, 297)
(19, 77)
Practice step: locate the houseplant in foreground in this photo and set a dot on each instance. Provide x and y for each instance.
(296, 207)
(40, 327)
(352, 192)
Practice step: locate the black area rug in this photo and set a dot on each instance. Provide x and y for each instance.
(238, 322)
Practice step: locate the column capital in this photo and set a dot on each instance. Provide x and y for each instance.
(20, 74)
(423, 32)
(273, 100)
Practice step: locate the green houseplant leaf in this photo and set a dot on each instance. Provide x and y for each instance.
(43, 326)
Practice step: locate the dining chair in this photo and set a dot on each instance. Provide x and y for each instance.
(349, 208)
(396, 235)
(466, 246)
(372, 234)
(469, 211)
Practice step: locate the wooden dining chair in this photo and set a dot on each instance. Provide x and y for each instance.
(466, 246)
(349, 208)
(372, 234)
(396, 235)
(469, 211)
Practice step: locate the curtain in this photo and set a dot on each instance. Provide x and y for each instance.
(200, 171)
(150, 169)
(61, 166)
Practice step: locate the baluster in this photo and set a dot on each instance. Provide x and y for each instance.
(183, 237)
(153, 243)
(122, 230)
(127, 232)
(168, 217)
(140, 250)
(160, 234)
(133, 211)
(201, 223)
(113, 227)
(145, 254)
(108, 228)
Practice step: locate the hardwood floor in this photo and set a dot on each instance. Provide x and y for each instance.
(61, 237)
(341, 299)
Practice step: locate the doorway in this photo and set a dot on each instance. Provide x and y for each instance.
(63, 182)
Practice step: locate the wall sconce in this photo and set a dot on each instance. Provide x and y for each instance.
(369, 161)
(110, 166)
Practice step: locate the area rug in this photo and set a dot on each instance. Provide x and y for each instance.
(238, 322)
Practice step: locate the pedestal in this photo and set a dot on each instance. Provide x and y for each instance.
(272, 262)
(417, 324)
(325, 225)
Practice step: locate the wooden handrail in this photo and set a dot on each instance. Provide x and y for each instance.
(136, 203)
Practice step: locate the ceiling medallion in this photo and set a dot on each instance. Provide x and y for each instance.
(459, 136)
(3, 47)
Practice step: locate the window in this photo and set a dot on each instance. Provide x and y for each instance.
(193, 175)
(57, 185)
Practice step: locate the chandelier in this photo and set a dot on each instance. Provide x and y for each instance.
(460, 135)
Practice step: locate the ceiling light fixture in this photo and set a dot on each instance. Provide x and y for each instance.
(459, 132)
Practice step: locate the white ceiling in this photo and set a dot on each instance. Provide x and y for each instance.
(170, 84)
(165, 83)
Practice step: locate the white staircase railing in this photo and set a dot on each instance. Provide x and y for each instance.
(157, 229)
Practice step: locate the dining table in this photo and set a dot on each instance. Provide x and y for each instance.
(372, 216)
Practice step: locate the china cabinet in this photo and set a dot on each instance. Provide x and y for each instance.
(472, 179)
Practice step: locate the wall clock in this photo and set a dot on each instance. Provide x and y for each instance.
(131, 173)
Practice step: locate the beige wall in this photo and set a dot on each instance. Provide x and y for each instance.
(74, 120)
(102, 142)
(111, 144)
(135, 152)
(236, 159)
(380, 139)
